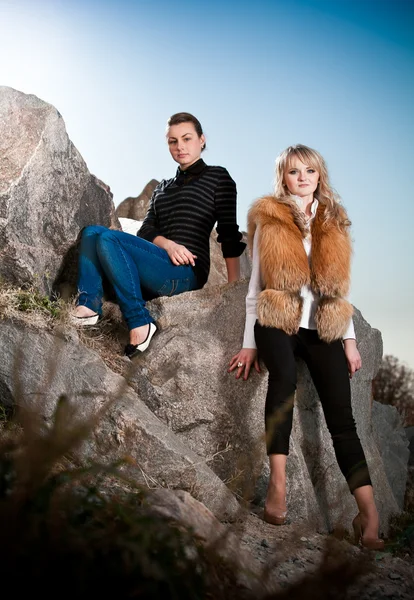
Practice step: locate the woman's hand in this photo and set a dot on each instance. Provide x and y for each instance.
(246, 358)
(179, 255)
(353, 357)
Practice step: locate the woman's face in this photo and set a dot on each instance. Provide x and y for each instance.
(300, 179)
(184, 144)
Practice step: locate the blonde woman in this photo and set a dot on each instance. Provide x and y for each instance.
(296, 306)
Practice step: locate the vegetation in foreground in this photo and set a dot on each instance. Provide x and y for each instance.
(64, 531)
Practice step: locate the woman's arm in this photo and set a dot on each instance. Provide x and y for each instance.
(179, 254)
(353, 357)
(233, 269)
(149, 230)
(247, 356)
(228, 234)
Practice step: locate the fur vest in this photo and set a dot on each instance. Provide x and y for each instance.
(285, 267)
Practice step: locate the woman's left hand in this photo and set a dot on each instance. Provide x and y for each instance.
(353, 357)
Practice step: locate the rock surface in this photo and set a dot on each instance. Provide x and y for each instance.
(47, 194)
(136, 208)
(184, 381)
(38, 367)
(182, 420)
(280, 557)
(390, 437)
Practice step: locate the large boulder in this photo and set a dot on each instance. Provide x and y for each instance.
(183, 379)
(391, 439)
(39, 367)
(136, 207)
(47, 194)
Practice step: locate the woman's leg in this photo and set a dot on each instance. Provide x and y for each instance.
(328, 368)
(364, 497)
(276, 349)
(90, 273)
(132, 264)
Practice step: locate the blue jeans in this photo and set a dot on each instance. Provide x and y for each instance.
(134, 267)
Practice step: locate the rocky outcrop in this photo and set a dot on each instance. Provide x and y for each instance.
(136, 208)
(38, 368)
(184, 381)
(184, 421)
(47, 194)
(390, 437)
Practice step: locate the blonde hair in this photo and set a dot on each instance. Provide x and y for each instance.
(324, 192)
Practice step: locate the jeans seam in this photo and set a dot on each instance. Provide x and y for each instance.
(129, 272)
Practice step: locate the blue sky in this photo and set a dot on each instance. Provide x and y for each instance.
(336, 75)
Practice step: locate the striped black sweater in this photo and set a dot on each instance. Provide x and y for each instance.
(185, 209)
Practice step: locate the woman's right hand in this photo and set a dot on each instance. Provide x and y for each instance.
(246, 357)
(179, 255)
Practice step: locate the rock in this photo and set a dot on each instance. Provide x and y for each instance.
(184, 381)
(136, 208)
(47, 194)
(218, 271)
(38, 367)
(409, 432)
(393, 445)
(182, 508)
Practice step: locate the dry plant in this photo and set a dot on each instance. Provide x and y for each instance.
(65, 532)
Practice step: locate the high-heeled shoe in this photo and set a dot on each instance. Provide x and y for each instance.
(368, 543)
(278, 518)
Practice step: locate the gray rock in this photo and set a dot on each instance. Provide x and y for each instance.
(184, 381)
(38, 367)
(47, 194)
(390, 437)
(136, 208)
(218, 270)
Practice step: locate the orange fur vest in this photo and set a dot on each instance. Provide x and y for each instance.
(285, 267)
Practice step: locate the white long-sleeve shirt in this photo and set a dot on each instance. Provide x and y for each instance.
(310, 301)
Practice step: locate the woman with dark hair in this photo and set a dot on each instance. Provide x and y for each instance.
(297, 306)
(170, 253)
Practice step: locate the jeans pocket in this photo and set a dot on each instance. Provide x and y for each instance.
(172, 287)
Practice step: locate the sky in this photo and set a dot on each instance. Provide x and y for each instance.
(336, 75)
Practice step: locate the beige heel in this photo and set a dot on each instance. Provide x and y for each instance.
(274, 518)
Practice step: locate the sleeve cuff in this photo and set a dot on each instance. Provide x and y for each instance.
(350, 332)
(248, 339)
(232, 249)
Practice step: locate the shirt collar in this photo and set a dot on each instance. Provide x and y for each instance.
(314, 205)
(195, 169)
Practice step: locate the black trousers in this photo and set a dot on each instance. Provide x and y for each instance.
(328, 368)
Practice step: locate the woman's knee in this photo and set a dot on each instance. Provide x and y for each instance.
(91, 230)
(107, 236)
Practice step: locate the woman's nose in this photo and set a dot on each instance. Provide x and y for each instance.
(302, 176)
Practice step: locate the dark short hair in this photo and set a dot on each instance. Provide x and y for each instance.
(185, 117)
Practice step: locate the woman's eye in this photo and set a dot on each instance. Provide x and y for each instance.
(187, 139)
(292, 172)
(311, 170)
